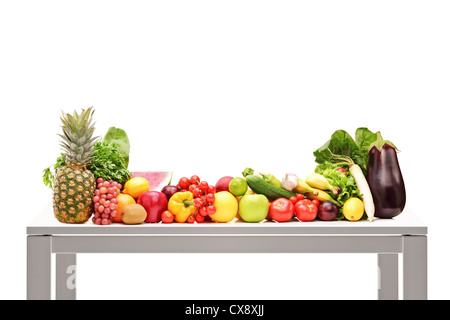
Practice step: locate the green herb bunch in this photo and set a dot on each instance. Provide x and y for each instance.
(109, 161)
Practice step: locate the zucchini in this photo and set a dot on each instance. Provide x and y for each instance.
(259, 185)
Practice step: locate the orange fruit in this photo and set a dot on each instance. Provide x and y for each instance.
(136, 186)
(122, 201)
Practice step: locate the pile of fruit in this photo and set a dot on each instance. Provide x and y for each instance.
(91, 179)
(230, 199)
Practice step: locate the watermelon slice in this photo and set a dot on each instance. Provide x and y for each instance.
(156, 179)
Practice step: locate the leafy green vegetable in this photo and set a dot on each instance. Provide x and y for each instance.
(107, 163)
(342, 150)
(345, 181)
(120, 139)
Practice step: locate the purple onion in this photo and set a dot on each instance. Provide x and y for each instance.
(169, 191)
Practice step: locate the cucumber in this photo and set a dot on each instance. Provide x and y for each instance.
(258, 185)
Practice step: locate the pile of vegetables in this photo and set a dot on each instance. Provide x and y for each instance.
(342, 151)
(338, 177)
(109, 161)
(356, 170)
(375, 172)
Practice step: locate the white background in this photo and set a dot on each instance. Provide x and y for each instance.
(209, 88)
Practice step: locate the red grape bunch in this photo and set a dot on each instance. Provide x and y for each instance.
(105, 201)
(203, 197)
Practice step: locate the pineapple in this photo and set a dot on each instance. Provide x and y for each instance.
(74, 184)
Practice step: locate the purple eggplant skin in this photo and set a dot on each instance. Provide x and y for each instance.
(386, 181)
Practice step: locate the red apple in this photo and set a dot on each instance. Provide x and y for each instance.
(223, 183)
(155, 203)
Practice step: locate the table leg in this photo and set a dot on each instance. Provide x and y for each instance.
(387, 276)
(39, 249)
(66, 265)
(414, 267)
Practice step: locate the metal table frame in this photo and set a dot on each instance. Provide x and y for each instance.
(405, 235)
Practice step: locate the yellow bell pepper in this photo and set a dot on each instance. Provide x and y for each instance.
(181, 204)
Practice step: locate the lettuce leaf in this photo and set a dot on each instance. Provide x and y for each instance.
(119, 138)
(345, 181)
(343, 150)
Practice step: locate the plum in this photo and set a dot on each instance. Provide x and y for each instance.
(169, 191)
(328, 211)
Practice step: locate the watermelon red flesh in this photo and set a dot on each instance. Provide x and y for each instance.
(156, 179)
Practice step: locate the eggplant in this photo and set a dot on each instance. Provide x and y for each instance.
(385, 179)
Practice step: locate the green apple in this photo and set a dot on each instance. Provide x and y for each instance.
(253, 207)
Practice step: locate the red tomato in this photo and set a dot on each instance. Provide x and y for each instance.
(281, 210)
(211, 209)
(203, 186)
(192, 187)
(167, 216)
(203, 211)
(341, 170)
(191, 219)
(305, 210)
(195, 180)
(210, 198)
(184, 183)
(293, 199)
(197, 192)
(199, 218)
(211, 189)
(299, 197)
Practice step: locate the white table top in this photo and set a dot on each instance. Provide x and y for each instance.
(406, 223)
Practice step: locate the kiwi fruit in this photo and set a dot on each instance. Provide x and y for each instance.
(133, 214)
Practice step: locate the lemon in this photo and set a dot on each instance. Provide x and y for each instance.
(353, 209)
(136, 186)
(226, 207)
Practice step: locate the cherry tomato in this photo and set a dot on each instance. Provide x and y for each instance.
(192, 187)
(210, 198)
(202, 211)
(167, 216)
(341, 170)
(211, 189)
(211, 209)
(199, 218)
(203, 186)
(281, 210)
(198, 202)
(197, 192)
(293, 199)
(305, 210)
(184, 183)
(195, 179)
(191, 219)
(316, 202)
(299, 197)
